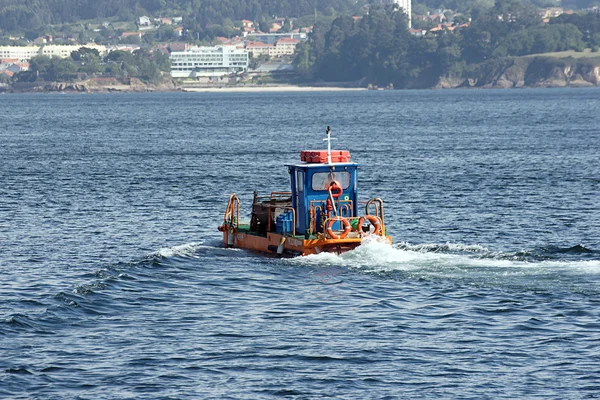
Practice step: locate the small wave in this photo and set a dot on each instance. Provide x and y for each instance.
(577, 249)
(19, 321)
(442, 248)
(90, 288)
(554, 253)
(18, 371)
(183, 250)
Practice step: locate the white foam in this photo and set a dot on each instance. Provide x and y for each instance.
(376, 256)
(433, 247)
(183, 250)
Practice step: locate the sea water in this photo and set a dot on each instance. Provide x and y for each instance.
(114, 283)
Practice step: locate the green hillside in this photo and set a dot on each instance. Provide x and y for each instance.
(20, 15)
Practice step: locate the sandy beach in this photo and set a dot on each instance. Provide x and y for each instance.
(278, 88)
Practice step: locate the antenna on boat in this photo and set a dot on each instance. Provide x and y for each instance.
(328, 139)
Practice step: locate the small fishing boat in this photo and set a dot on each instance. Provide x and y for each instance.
(319, 214)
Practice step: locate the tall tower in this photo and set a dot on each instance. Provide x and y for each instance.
(405, 5)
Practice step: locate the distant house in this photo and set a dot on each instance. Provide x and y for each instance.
(177, 20)
(179, 46)
(248, 25)
(258, 48)
(234, 41)
(42, 40)
(162, 48)
(21, 66)
(178, 31)
(145, 21)
(436, 17)
(132, 34)
(283, 47)
(437, 29)
(551, 12)
(166, 21)
(125, 47)
(275, 27)
(8, 61)
(417, 32)
(6, 72)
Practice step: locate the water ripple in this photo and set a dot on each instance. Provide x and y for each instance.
(115, 284)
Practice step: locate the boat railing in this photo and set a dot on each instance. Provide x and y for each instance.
(277, 194)
(312, 223)
(316, 205)
(378, 203)
(273, 197)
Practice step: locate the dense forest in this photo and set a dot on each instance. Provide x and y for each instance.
(28, 15)
(18, 15)
(378, 47)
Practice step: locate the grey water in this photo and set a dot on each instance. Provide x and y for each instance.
(114, 283)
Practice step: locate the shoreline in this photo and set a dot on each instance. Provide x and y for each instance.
(276, 88)
(83, 89)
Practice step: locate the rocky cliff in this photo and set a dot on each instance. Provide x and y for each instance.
(93, 85)
(528, 72)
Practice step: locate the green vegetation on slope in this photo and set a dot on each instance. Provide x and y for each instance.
(23, 15)
(87, 63)
(379, 49)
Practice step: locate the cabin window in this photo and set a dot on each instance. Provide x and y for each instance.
(300, 181)
(322, 180)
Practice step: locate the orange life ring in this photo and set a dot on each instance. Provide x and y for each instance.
(335, 186)
(347, 228)
(375, 221)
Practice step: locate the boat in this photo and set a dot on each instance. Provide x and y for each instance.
(319, 214)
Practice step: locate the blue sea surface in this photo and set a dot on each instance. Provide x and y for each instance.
(115, 285)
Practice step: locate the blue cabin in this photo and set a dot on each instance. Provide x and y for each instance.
(310, 183)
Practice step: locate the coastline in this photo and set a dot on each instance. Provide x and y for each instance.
(82, 88)
(275, 88)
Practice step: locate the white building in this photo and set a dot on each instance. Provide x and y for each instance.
(283, 47)
(22, 53)
(25, 53)
(144, 21)
(64, 51)
(208, 61)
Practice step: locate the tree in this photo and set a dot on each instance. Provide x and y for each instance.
(264, 26)
(61, 69)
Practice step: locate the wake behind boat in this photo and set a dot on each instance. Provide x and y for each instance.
(319, 214)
